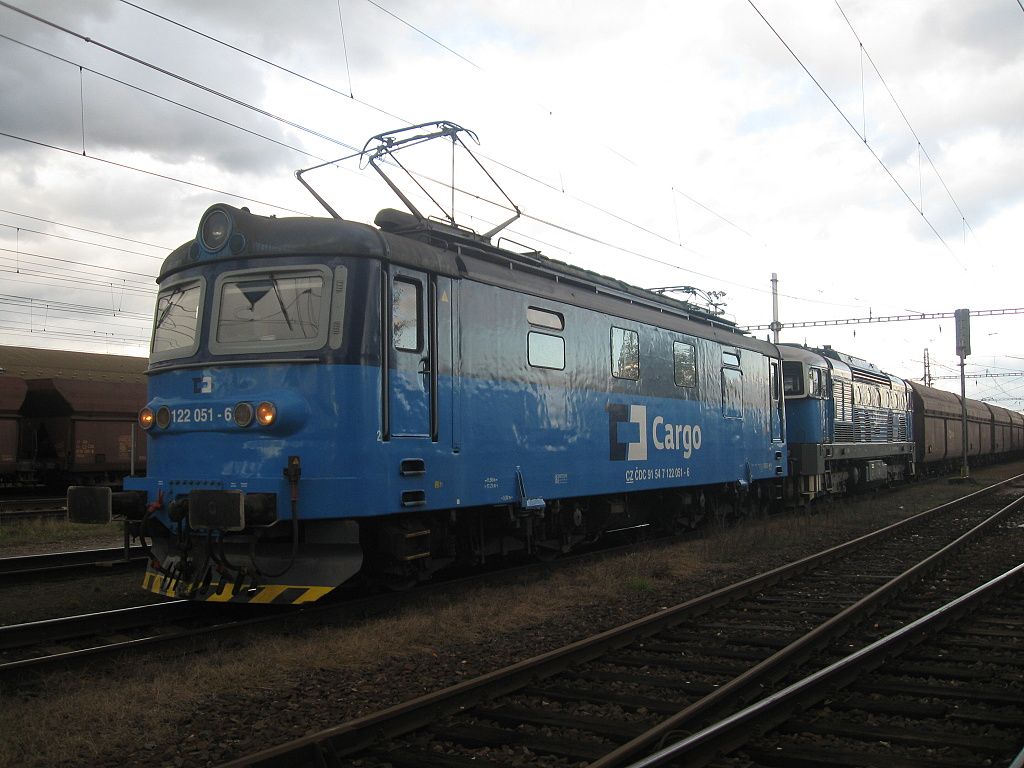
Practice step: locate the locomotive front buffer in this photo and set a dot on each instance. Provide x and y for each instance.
(227, 545)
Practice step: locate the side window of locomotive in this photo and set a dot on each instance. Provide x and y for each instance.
(731, 358)
(176, 322)
(684, 357)
(545, 351)
(792, 378)
(406, 315)
(773, 374)
(732, 393)
(814, 382)
(543, 318)
(625, 354)
(260, 311)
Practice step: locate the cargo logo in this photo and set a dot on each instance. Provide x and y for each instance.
(676, 437)
(202, 385)
(627, 434)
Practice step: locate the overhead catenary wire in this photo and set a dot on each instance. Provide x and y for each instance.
(421, 32)
(23, 275)
(669, 264)
(174, 75)
(306, 129)
(155, 174)
(903, 114)
(853, 128)
(73, 262)
(339, 142)
(64, 334)
(274, 64)
(83, 229)
(140, 89)
(55, 321)
(79, 240)
(65, 306)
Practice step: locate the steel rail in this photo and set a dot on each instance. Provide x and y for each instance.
(18, 510)
(34, 565)
(29, 503)
(734, 730)
(71, 627)
(750, 683)
(109, 622)
(53, 631)
(8, 516)
(408, 716)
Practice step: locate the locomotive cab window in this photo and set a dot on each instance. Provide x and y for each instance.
(625, 354)
(792, 378)
(262, 310)
(407, 315)
(176, 323)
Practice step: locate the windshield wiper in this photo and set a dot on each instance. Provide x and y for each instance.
(171, 304)
(280, 301)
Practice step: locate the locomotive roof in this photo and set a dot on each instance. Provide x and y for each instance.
(30, 363)
(443, 249)
(848, 366)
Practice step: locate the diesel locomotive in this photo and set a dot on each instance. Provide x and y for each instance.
(330, 399)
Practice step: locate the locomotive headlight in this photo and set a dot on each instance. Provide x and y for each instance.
(146, 418)
(243, 414)
(163, 417)
(216, 230)
(266, 414)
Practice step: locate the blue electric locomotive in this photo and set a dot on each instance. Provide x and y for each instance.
(328, 398)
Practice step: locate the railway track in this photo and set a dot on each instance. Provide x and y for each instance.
(946, 690)
(62, 641)
(613, 698)
(56, 643)
(73, 563)
(34, 508)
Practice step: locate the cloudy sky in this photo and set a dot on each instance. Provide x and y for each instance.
(867, 151)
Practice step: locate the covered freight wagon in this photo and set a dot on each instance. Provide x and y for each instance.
(938, 427)
(12, 395)
(83, 430)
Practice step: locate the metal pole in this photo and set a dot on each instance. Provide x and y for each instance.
(964, 470)
(963, 349)
(776, 326)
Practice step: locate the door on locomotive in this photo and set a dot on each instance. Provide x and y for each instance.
(775, 407)
(412, 372)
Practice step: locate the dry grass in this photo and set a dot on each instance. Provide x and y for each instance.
(59, 722)
(75, 721)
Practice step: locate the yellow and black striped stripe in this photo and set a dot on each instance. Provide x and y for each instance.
(224, 591)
